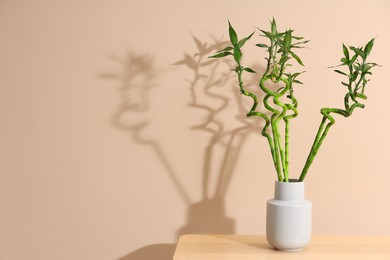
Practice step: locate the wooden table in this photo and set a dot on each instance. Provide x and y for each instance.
(247, 247)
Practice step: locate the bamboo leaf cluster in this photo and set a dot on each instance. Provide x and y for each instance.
(281, 104)
(356, 71)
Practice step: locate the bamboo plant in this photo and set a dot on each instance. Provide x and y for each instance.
(281, 104)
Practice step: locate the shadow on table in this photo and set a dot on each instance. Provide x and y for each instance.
(152, 252)
(247, 240)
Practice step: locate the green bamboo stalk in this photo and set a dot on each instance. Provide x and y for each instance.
(275, 112)
(287, 149)
(313, 150)
(287, 133)
(253, 112)
(275, 119)
(277, 133)
(321, 135)
(310, 157)
(277, 150)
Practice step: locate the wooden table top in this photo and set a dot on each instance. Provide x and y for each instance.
(250, 247)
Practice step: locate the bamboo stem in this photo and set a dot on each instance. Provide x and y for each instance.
(253, 112)
(321, 135)
(287, 148)
(287, 134)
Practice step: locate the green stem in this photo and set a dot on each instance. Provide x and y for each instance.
(253, 112)
(287, 148)
(322, 134)
(277, 115)
(287, 134)
(277, 148)
(277, 134)
(346, 101)
(314, 149)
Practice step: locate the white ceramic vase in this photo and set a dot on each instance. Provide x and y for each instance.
(289, 217)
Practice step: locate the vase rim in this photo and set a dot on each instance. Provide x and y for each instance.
(291, 181)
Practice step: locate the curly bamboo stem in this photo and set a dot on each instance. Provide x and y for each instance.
(321, 134)
(253, 112)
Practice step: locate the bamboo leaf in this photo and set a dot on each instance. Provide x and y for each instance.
(354, 57)
(243, 41)
(232, 35)
(331, 67)
(237, 53)
(344, 61)
(273, 27)
(368, 47)
(221, 54)
(357, 67)
(226, 49)
(357, 51)
(287, 40)
(249, 70)
(355, 75)
(268, 34)
(345, 84)
(340, 72)
(373, 64)
(296, 74)
(296, 58)
(297, 81)
(366, 68)
(261, 45)
(304, 42)
(346, 52)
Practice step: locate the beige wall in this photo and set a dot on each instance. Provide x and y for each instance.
(99, 155)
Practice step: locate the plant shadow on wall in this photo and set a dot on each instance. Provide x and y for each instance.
(211, 90)
(136, 80)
